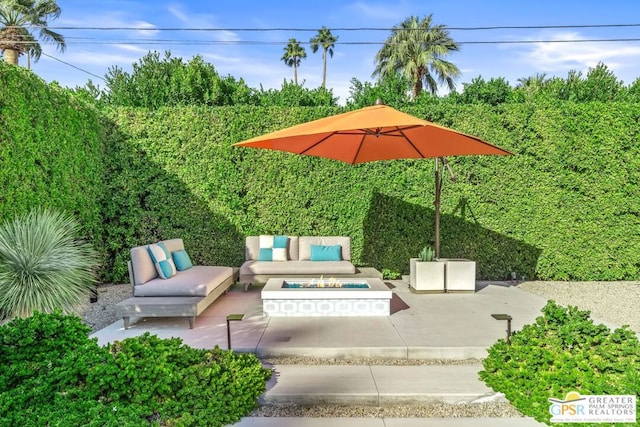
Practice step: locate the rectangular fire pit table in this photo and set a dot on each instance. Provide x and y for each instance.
(357, 297)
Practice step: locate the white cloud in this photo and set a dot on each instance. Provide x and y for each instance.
(568, 52)
(146, 28)
(85, 58)
(131, 48)
(178, 12)
(202, 20)
(383, 12)
(215, 58)
(111, 20)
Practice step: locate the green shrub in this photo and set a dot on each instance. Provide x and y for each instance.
(51, 151)
(391, 274)
(45, 360)
(563, 351)
(29, 346)
(43, 265)
(54, 375)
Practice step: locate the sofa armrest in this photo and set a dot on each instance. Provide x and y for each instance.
(131, 277)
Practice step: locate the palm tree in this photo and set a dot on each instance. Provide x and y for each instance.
(293, 54)
(416, 49)
(18, 18)
(536, 81)
(327, 40)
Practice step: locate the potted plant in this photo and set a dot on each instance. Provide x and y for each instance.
(426, 273)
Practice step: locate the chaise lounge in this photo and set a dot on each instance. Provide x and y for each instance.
(186, 293)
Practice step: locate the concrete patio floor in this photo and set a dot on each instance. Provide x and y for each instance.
(421, 326)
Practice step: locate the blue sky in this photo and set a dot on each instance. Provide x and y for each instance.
(255, 55)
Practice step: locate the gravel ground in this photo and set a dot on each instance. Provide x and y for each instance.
(615, 302)
(435, 410)
(101, 314)
(369, 362)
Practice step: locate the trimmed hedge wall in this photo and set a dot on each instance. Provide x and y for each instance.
(50, 151)
(564, 207)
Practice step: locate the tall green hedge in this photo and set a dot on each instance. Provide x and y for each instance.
(564, 206)
(50, 151)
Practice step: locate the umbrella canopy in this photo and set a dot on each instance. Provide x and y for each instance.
(375, 133)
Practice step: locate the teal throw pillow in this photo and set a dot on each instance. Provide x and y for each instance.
(162, 260)
(280, 241)
(326, 253)
(181, 260)
(266, 254)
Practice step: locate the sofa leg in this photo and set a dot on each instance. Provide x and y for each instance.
(246, 286)
(126, 322)
(192, 320)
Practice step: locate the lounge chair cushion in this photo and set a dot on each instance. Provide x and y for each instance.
(199, 280)
(143, 268)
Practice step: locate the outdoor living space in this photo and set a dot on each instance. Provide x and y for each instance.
(434, 326)
(432, 344)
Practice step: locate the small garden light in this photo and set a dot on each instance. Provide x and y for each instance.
(232, 318)
(508, 319)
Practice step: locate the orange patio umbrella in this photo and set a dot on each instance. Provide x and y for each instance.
(376, 133)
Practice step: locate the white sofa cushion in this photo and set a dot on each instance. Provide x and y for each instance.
(292, 268)
(199, 280)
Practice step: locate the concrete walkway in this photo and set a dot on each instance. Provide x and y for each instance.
(378, 385)
(421, 326)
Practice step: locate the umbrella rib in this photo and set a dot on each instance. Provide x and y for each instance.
(411, 143)
(353, 161)
(320, 141)
(390, 132)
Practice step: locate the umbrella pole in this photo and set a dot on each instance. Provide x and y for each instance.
(436, 204)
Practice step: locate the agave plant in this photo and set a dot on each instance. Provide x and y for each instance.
(427, 254)
(43, 265)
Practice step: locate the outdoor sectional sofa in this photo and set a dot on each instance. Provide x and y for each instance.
(303, 256)
(186, 294)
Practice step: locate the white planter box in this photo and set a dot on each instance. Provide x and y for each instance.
(426, 276)
(460, 275)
